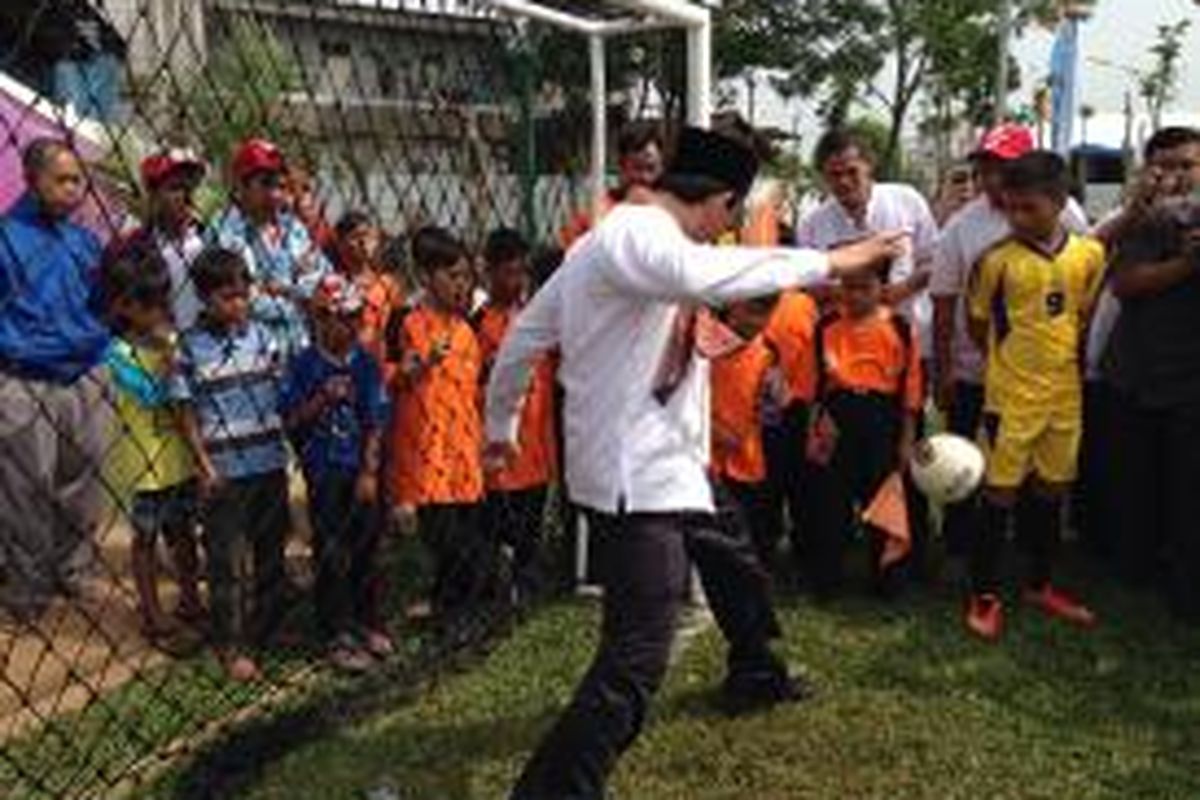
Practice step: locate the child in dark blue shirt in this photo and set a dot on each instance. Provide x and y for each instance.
(335, 406)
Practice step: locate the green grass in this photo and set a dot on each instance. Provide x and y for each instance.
(907, 707)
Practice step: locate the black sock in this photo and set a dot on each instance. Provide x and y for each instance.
(1039, 528)
(987, 548)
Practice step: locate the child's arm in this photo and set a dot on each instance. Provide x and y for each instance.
(981, 288)
(908, 438)
(366, 489)
(189, 427)
(305, 412)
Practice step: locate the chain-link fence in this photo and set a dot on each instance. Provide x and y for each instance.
(212, 452)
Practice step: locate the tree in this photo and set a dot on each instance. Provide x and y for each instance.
(1159, 87)
(240, 91)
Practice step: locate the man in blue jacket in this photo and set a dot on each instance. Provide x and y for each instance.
(53, 405)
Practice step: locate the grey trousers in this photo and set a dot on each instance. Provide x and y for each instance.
(53, 440)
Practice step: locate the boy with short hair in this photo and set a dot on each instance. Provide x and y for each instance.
(334, 404)
(227, 385)
(1029, 301)
(436, 435)
(741, 381)
(516, 492)
(149, 466)
(870, 394)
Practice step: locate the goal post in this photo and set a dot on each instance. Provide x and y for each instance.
(638, 15)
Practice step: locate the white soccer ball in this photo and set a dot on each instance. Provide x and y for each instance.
(947, 468)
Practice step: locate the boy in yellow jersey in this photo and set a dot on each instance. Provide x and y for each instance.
(149, 466)
(1029, 299)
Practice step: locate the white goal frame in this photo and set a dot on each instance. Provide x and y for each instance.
(694, 16)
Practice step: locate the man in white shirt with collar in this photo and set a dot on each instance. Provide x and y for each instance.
(858, 206)
(967, 236)
(622, 311)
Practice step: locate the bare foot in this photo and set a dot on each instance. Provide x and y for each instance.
(240, 668)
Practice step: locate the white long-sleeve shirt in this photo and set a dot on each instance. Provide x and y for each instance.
(892, 206)
(611, 310)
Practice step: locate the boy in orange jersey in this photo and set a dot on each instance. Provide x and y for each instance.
(741, 382)
(435, 449)
(358, 258)
(785, 424)
(516, 493)
(870, 391)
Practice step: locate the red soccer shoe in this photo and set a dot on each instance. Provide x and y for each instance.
(985, 616)
(1056, 603)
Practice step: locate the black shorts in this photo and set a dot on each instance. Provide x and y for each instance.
(169, 512)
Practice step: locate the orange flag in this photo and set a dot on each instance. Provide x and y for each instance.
(888, 512)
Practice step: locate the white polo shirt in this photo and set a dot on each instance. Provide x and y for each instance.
(892, 206)
(976, 228)
(611, 310)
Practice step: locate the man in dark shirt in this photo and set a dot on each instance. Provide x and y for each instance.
(54, 414)
(1153, 362)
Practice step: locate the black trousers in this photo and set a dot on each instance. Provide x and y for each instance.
(346, 537)
(1157, 476)
(961, 521)
(1093, 498)
(516, 519)
(786, 487)
(464, 556)
(643, 562)
(868, 436)
(251, 512)
(757, 506)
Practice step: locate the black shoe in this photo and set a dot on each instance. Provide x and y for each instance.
(748, 692)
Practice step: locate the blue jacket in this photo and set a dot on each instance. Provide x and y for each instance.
(50, 323)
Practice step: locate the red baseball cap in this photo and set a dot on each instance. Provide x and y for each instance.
(158, 167)
(1005, 142)
(256, 155)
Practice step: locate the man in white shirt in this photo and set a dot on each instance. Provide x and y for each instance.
(858, 206)
(622, 312)
(958, 364)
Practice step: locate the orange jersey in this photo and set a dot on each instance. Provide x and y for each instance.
(761, 228)
(536, 464)
(738, 382)
(790, 332)
(870, 355)
(437, 433)
(381, 296)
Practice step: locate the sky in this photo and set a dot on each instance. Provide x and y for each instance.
(1121, 32)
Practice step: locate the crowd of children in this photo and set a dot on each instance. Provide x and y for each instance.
(268, 341)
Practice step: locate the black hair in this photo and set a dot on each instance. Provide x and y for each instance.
(733, 125)
(217, 268)
(134, 271)
(436, 249)
(544, 262)
(690, 188)
(1169, 139)
(38, 154)
(637, 136)
(504, 244)
(350, 222)
(836, 141)
(1039, 171)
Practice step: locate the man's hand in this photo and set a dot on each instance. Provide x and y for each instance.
(868, 252)
(499, 455)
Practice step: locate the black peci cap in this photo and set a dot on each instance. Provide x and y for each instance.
(703, 153)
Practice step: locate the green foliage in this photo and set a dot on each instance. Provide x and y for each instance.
(1159, 87)
(907, 706)
(239, 92)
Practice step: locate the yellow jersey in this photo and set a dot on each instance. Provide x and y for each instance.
(1036, 304)
(149, 453)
